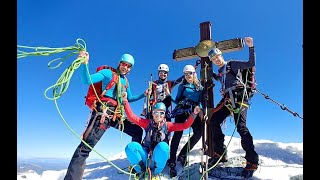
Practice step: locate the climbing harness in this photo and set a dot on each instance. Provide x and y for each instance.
(229, 102)
(184, 106)
(154, 133)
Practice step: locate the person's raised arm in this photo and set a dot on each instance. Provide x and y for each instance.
(131, 116)
(85, 77)
(252, 56)
(252, 53)
(182, 126)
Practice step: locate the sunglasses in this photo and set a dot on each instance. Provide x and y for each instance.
(125, 64)
(188, 73)
(163, 72)
(158, 112)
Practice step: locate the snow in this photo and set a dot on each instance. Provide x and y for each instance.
(279, 161)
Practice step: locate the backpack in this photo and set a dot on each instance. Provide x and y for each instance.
(91, 97)
(248, 78)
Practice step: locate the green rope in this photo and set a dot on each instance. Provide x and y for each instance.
(119, 100)
(134, 174)
(234, 130)
(46, 51)
(65, 122)
(62, 83)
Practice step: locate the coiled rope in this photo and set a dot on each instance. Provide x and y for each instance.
(62, 84)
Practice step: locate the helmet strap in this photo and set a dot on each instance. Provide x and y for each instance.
(164, 80)
(119, 72)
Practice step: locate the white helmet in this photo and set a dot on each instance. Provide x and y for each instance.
(163, 67)
(189, 68)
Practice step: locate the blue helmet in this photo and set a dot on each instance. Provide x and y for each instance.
(127, 58)
(160, 105)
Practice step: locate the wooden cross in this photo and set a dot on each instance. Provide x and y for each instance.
(201, 50)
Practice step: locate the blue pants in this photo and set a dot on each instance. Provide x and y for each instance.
(136, 153)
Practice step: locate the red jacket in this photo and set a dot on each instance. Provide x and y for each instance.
(145, 122)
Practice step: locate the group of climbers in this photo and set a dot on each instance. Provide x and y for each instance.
(156, 150)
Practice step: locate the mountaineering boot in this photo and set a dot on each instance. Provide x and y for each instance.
(156, 177)
(212, 161)
(140, 175)
(182, 159)
(131, 169)
(248, 171)
(172, 169)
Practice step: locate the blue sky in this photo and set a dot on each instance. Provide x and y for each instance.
(151, 31)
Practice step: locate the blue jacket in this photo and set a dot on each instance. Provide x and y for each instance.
(190, 92)
(105, 76)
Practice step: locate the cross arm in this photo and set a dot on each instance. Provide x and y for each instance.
(202, 48)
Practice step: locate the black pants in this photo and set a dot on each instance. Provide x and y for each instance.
(92, 135)
(246, 138)
(197, 133)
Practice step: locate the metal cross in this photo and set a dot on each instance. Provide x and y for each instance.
(202, 50)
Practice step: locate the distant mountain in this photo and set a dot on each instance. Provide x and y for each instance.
(25, 167)
(39, 165)
(278, 161)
